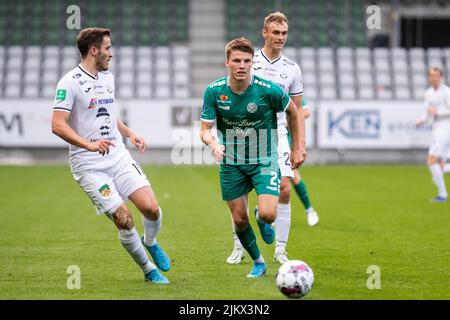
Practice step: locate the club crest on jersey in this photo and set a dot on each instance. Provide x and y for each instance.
(76, 76)
(105, 190)
(252, 107)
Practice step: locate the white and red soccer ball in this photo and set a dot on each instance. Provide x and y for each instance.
(295, 279)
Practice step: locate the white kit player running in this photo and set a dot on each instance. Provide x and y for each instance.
(84, 115)
(270, 64)
(437, 104)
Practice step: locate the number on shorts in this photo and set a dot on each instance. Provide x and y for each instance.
(287, 161)
(274, 179)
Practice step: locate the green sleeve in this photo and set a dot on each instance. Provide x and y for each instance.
(209, 106)
(280, 99)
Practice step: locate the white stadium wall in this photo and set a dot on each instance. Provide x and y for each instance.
(361, 129)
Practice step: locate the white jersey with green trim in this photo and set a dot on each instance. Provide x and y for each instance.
(282, 71)
(90, 101)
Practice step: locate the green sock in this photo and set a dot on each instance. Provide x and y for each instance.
(302, 193)
(248, 241)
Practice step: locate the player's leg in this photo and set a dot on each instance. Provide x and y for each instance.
(133, 184)
(238, 253)
(435, 154)
(130, 240)
(283, 221)
(144, 199)
(246, 235)
(105, 197)
(302, 192)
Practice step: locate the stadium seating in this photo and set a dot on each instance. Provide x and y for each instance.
(152, 57)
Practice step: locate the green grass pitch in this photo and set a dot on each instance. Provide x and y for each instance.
(369, 215)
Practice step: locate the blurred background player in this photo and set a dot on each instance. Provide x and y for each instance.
(231, 100)
(84, 115)
(270, 64)
(299, 184)
(437, 104)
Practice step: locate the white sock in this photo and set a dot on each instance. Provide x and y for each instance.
(260, 259)
(282, 226)
(151, 229)
(438, 178)
(447, 168)
(132, 243)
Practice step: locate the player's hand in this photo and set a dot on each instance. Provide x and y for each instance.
(219, 152)
(432, 111)
(297, 158)
(100, 146)
(420, 123)
(138, 142)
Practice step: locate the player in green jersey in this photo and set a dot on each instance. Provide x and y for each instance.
(245, 108)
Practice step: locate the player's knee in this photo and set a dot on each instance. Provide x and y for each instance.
(150, 210)
(123, 219)
(241, 222)
(268, 215)
(285, 193)
(431, 160)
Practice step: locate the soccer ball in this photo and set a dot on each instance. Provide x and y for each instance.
(295, 279)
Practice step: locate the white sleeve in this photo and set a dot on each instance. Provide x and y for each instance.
(65, 95)
(296, 87)
(446, 112)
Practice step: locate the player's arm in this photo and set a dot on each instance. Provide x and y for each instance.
(126, 132)
(61, 128)
(208, 116)
(207, 138)
(301, 117)
(294, 121)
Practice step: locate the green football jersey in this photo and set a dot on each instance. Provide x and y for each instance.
(246, 122)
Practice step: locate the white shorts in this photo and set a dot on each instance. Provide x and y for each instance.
(109, 187)
(284, 156)
(440, 144)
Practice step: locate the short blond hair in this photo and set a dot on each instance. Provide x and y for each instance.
(441, 72)
(239, 44)
(277, 17)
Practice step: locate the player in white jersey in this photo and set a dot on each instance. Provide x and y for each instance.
(271, 64)
(437, 104)
(84, 115)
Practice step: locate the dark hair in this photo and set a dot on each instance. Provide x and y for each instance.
(241, 44)
(91, 37)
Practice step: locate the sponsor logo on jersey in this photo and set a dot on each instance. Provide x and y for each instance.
(223, 97)
(105, 101)
(224, 107)
(105, 190)
(252, 107)
(283, 75)
(92, 103)
(97, 89)
(60, 95)
(76, 76)
(102, 112)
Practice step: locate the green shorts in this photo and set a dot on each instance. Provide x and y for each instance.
(237, 180)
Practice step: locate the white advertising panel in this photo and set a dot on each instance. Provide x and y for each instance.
(371, 125)
(27, 123)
